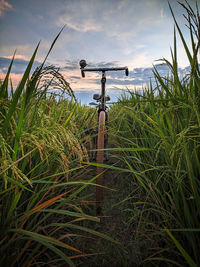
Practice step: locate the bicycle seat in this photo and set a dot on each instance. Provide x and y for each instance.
(98, 97)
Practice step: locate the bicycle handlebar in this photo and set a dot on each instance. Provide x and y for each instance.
(83, 69)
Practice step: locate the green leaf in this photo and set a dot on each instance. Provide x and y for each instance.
(13, 205)
(71, 213)
(181, 249)
(181, 35)
(17, 183)
(18, 92)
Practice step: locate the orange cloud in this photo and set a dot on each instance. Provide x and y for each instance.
(15, 78)
(73, 77)
(90, 83)
(17, 56)
(4, 5)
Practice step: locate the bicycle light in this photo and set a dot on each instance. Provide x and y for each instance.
(83, 64)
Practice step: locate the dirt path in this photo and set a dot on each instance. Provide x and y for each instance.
(114, 223)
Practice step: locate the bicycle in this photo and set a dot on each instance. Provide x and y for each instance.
(102, 139)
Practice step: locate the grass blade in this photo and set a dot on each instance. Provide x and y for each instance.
(18, 92)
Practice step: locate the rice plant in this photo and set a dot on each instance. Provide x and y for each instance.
(165, 121)
(42, 144)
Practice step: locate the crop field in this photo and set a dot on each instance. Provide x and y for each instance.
(151, 201)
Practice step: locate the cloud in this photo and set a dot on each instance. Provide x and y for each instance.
(18, 67)
(18, 56)
(136, 32)
(4, 6)
(138, 77)
(70, 65)
(106, 64)
(24, 51)
(71, 71)
(14, 77)
(114, 17)
(123, 81)
(80, 16)
(129, 31)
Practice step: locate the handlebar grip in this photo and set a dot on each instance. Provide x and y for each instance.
(126, 71)
(83, 73)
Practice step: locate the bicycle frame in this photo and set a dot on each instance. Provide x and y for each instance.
(101, 139)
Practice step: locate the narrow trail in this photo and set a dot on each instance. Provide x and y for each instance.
(114, 223)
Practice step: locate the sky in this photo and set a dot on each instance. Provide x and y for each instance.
(133, 33)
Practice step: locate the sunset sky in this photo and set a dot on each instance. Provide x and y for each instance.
(115, 32)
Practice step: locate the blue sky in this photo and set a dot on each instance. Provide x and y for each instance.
(129, 33)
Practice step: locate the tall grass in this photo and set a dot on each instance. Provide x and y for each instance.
(42, 142)
(165, 123)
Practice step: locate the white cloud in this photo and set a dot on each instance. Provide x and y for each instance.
(116, 30)
(79, 16)
(87, 25)
(139, 60)
(21, 49)
(115, 18)
(133, 32)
